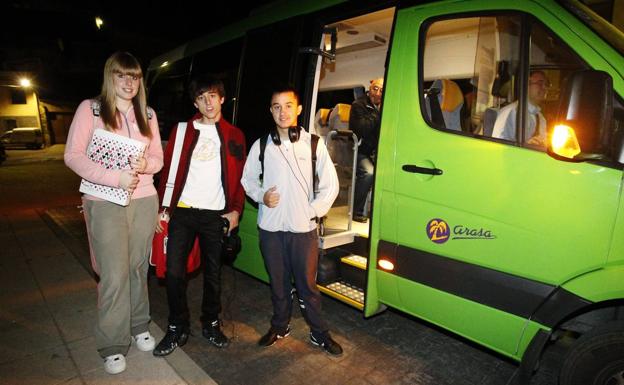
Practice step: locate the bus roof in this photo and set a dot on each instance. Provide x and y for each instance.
(258, 17)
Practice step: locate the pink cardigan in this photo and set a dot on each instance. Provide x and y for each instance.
(78, 139)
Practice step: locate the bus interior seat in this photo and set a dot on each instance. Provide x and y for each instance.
(321, 122)
(339, 146)
(338, 119)
(502, 80)
(500, 90)
(444, 103)
(358, 92)
(340, 149)
(489, 118)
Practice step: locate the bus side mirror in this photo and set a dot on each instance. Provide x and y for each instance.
(584, 118)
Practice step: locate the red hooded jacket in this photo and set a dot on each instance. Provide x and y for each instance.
(233, 154)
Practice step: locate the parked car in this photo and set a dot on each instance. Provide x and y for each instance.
(29, 137)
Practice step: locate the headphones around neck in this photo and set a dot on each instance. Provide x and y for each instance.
(293, 135)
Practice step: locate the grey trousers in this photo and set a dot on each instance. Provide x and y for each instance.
(120, 239)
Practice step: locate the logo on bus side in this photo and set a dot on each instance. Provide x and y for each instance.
(439, 231)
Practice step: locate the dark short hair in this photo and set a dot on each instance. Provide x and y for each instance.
(283, 88)
(205, 83)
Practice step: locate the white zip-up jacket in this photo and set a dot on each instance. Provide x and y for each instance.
(288, 167)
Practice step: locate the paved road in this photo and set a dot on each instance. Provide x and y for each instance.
(390, 348)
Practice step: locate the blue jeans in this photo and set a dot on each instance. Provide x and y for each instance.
(363, 183)
(184, 226)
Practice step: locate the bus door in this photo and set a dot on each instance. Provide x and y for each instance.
(360, 46)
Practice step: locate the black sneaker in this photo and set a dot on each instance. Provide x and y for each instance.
(326, 343)
(272, 336)
(213, 334)
(176, 336)
(360, 218)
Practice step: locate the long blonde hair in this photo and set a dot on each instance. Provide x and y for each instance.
(122, 63)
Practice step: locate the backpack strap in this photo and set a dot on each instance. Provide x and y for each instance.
(263, 143)
(95, 107)
(315, 179)
(313, 145)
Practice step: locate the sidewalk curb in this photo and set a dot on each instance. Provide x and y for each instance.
(18, 162)
(24, 156)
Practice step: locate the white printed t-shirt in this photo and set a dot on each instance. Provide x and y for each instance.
(203, 188)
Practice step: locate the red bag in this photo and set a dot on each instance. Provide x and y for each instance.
(158, 257)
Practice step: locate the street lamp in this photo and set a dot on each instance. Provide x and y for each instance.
(25, 82)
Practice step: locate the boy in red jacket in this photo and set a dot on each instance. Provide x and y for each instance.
(207, 190)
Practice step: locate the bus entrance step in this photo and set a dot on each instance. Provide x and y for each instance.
(352, 270)
(355, 260)
(345, 292)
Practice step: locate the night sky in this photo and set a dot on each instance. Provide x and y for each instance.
(58, 42)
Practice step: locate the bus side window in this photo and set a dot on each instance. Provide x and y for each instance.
(483, 55)
(466, 53)
(225, 69)
(167, 95)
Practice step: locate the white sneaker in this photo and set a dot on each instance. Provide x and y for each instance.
(145, 342)
(115, 364)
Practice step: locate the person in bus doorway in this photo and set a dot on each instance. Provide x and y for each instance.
(365, 121)
(207, 189)
(287, 217)
(119, 235)
(505, 125)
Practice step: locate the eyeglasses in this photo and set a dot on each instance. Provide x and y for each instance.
(541, 83)
(124, 76)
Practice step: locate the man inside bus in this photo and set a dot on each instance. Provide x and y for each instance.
(365, 121)
(505, 125)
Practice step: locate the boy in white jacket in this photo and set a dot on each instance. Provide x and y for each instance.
(288, 213)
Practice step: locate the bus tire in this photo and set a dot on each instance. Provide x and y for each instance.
(597, 358)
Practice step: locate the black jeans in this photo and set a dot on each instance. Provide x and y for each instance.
(293, 255)
(184, 226)
(363, 183)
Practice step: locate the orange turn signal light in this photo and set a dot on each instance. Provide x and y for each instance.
(564, 142)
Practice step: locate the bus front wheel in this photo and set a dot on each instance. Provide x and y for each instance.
(596, 358)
